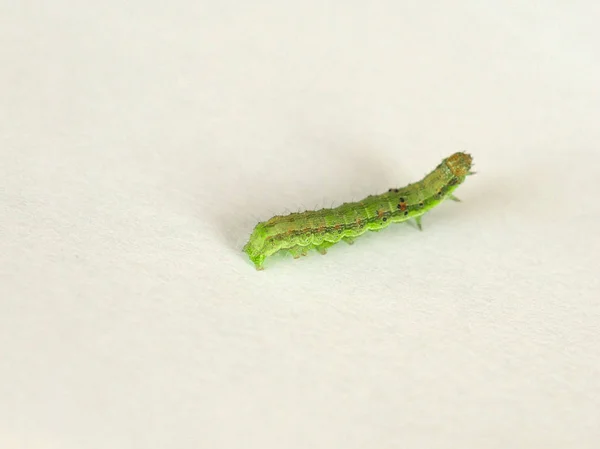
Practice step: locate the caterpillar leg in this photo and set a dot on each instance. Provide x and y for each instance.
(322, 248)
(453, 198)
(348, 240)
(418, 221)
(297, 251)
(258, 262)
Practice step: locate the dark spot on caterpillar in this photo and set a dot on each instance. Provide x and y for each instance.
(396, 190)
(421, 204)
(389, 190)
(384, 218)
(452, 182)
(399, 206)
(401, 200)
(405, 212)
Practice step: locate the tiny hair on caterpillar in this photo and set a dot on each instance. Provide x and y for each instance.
(299, 232)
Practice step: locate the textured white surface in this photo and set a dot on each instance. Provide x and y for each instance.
(141, 141)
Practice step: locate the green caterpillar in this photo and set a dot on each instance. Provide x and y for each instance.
(297, 233)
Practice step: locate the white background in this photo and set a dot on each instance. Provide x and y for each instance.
(141, 141)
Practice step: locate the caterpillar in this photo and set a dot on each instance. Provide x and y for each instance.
(297, 233)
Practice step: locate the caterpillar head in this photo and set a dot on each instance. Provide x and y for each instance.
(459, 164)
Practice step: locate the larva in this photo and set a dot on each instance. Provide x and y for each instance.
(298, 233)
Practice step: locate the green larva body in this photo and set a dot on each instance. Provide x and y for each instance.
(298, 233)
